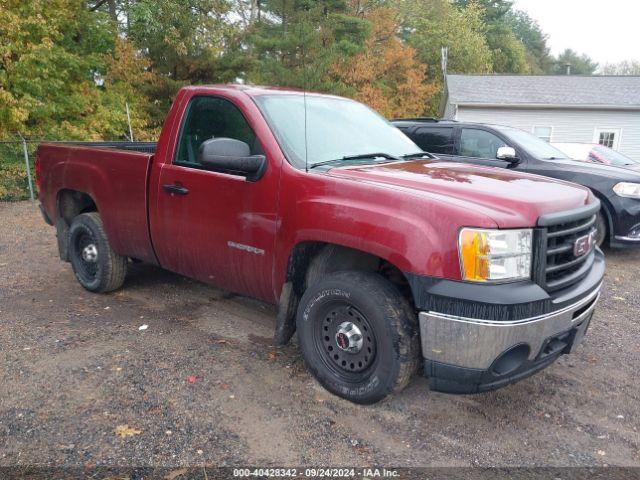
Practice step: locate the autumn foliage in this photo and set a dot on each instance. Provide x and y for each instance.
(70, 68)
(386, 75)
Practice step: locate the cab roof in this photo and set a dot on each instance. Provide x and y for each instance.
(257, 90)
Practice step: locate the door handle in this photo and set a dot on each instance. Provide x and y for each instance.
(177, 189)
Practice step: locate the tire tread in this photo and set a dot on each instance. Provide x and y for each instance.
(395, 309)
(115, 266)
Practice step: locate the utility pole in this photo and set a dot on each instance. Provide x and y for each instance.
(444, 52)
(126, 104)
(25, 152)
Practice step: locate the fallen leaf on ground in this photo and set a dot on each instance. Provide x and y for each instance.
(126, 431)
(175, 474)
(221, 342)
(272, 355)
(192, 379)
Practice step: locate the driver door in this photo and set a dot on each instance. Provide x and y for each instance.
(216, 226)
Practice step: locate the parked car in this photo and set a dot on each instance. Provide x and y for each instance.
(596, 153)
(618, 189)
(371, 249)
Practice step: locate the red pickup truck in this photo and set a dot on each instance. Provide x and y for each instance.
(382, 257)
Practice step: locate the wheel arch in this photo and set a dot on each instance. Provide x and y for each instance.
(606, 207)
(69, 204)
(309, 261)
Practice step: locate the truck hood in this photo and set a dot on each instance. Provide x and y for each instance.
(511, 199)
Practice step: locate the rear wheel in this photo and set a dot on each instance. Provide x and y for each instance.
(96, 266)
(601, 228)
(358, 335)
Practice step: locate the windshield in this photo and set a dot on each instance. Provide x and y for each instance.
(611, 157)
(533, 145)
(335, 128)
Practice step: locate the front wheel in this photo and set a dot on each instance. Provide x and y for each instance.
(96, 266)
(358, 335)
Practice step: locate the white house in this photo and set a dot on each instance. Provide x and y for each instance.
(567, 108)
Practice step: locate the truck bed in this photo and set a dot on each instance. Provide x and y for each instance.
(114, 175)
(143, 147)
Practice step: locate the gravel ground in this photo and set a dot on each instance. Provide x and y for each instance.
(81, 384)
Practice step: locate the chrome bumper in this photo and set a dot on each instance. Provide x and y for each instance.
(475, 343)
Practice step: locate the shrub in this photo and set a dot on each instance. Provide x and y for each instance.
(14, 184)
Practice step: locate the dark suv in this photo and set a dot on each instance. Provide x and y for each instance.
(499, 146)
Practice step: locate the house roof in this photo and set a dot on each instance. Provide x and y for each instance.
(573, 91)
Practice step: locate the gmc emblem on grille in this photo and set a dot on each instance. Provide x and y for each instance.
(583, 245)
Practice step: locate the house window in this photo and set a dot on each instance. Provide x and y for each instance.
(608, 137)
(544, 133)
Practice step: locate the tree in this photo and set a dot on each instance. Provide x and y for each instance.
(494, 11)
(626, 67)
(437, 23)
(185, 43)
(507, 51)
(386, 74)
(53, 60)
(296, 42)
(528, 31)
(579, 64)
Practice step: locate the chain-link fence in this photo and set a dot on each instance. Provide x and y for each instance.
(17, 169)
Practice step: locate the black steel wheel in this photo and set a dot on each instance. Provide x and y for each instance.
(85, 245)
(96, 266)
(358, 336)
(346, 339)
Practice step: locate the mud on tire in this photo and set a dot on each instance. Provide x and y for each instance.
(358, 335)
(96, 266)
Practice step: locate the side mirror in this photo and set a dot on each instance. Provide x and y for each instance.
(508, 154)
(231, 156)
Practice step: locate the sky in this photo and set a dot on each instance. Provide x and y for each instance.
(606, 30)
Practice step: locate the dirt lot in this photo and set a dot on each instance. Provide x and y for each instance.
(203, 385)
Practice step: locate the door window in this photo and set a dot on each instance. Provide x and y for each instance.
(435, 139)
(479, 143)
(207, 118)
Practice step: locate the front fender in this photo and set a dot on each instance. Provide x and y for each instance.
(414, 232)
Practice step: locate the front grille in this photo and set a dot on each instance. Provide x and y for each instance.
(560, 267)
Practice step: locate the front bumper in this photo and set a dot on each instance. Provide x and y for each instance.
(625, 222)
(466, 353)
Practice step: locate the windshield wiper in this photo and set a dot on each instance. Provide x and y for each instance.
(364, 156)
(409, 156)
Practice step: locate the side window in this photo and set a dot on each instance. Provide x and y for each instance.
(479, 143)
(211, 117)
(435, 139)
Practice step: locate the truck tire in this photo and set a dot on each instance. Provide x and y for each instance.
(358, 336)
(96, 266)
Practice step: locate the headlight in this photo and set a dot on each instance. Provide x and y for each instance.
(624, 189)
(493, 255)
